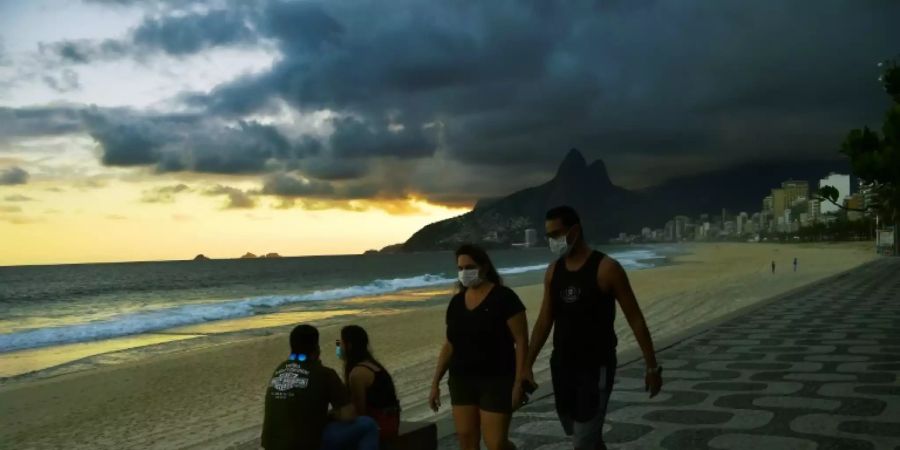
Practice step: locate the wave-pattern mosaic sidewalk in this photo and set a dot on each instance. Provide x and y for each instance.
(815, 370)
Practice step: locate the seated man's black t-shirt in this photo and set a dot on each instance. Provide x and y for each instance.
(297, 402)
(481, 339)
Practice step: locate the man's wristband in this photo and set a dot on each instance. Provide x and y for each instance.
(654, 370)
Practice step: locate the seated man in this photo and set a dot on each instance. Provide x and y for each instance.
(297, 400)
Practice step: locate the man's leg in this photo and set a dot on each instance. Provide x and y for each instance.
(588, 435)
(359, 434)
(563, 396)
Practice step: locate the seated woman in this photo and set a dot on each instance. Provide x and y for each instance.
(371, 388)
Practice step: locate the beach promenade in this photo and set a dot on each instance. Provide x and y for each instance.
(816, 368)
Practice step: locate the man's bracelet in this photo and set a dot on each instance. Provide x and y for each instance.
(654, 370)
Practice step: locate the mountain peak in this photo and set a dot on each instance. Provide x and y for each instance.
(598, 171)
(572, 164)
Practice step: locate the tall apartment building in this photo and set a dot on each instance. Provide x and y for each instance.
(794, 190)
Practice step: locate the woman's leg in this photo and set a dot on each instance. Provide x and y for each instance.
(464, 398)
(495, 411)
(495, 429)
(466, 420)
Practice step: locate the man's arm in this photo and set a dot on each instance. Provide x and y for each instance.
(543, 324)
(518, 326)
(613, 277)
(339, 399)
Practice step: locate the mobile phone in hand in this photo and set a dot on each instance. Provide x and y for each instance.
(528, 387)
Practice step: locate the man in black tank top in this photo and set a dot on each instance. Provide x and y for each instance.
(580, 291)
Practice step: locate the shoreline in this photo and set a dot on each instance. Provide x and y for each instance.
(59, 359)
(211, 397)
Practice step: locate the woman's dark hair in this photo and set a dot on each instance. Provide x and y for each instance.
(488, 271)
(357, 350)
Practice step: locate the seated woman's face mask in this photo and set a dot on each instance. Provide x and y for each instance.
(469, 277)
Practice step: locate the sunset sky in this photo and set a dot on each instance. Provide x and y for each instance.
(159, 129)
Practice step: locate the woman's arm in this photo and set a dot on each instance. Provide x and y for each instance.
(360, 380)
(443, 362)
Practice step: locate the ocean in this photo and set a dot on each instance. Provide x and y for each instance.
(53, 306)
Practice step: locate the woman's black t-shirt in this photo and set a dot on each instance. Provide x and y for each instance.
(482, 342)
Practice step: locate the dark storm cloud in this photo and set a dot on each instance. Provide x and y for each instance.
(237, 199)
(355, 139)
(511, 85)
(175, 142)
(334, 169)
(189, 142)
(84, 51)
(515, 81)
(289, 185)
(193, 33)
(38, 121)
(176, 35)
(286, 185)
(145, 2)
(165, 194)
(13, 175)
(65, 82)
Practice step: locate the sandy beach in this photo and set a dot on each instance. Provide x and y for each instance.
(212, 397)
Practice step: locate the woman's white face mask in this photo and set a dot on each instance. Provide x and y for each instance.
(469, 277)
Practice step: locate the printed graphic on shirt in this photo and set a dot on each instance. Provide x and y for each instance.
(289, 378)
(570, 294)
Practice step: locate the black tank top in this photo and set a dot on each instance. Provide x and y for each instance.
(381, 395)
(583, 333)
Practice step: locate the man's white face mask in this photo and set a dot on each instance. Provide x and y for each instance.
(560, 245)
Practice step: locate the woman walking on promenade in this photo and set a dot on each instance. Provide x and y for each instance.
(485, 351)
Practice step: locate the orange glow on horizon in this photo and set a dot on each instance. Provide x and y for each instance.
(116, 223)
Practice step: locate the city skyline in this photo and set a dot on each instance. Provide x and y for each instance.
(776, 216)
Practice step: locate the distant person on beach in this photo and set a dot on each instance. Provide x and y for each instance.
(297, 400)
(580, 291)
(371, 387)
(485, 351)
(795, 264)
(773, 266)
